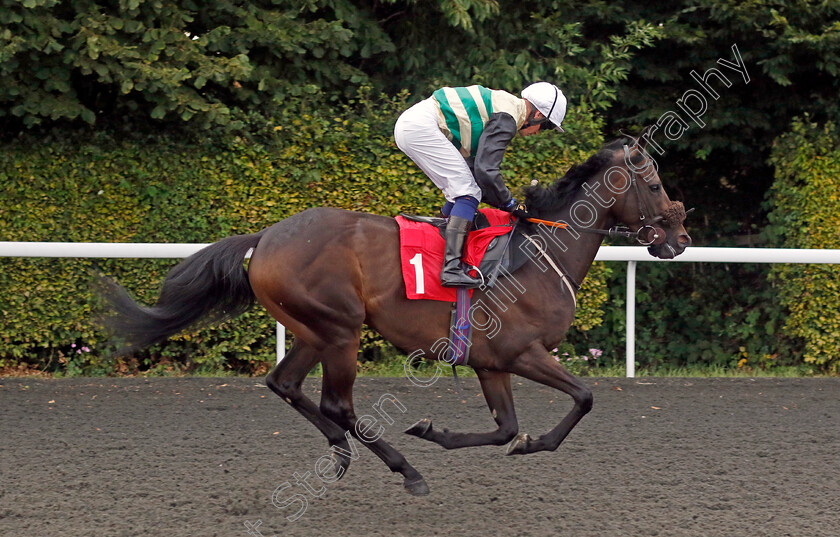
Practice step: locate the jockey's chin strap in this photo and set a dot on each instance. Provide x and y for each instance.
(531, 120)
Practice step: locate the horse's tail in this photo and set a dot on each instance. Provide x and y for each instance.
(211, 285)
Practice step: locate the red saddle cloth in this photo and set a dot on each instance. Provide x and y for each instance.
(421, 253)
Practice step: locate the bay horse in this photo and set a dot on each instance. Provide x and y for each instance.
(324, 272)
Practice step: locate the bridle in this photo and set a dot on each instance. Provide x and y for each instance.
(649, 233)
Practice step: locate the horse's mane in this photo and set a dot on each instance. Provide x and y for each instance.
(540, 199)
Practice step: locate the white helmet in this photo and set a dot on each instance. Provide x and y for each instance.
(549, 100)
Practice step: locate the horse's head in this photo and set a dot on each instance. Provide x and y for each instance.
(617, 185)
(642, 203)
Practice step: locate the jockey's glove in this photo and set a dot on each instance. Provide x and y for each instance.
(521, 213)
(511, 205)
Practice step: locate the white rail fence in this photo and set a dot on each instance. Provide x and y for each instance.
(629, 254)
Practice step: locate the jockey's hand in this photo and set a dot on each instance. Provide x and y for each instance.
(517, 209)
(521, 213)
(510, 206)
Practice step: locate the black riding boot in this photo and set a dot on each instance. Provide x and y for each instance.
(452, 275)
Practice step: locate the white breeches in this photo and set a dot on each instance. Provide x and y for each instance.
(417, 134)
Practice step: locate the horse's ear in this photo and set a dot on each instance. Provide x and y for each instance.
(642, 140)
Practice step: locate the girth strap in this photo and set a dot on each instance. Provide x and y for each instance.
(565, 279)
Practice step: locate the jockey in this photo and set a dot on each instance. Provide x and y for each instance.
(458, 137)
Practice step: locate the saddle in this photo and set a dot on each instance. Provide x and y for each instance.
(495, 245)
(500, 247)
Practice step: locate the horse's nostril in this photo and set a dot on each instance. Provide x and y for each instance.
(684, 240)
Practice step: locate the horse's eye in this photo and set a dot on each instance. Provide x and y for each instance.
(655, 188)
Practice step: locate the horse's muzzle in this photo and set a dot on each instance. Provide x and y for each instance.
(671, 247)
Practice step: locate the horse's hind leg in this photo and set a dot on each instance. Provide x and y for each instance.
(337, 403)
(499, 397)
(286, 378)
(538, 365)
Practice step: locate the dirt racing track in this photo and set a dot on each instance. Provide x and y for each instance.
(202, 457)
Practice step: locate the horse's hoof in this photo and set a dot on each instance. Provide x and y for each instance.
(420, 429)
(519, 445)
(418, 487)
(340, 464)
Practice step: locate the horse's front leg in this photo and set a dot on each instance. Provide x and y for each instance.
(497, 393)
(538, 365)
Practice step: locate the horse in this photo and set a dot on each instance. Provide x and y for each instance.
(325, 272)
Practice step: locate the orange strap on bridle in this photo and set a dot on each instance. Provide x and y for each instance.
(547, 222)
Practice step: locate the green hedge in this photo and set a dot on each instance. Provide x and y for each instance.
(806, 214)
(77, 187)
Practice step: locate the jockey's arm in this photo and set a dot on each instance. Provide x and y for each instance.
(497, 135)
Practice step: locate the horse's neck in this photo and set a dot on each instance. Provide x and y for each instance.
(581, 248)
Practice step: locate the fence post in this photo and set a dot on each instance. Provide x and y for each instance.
(630, 350)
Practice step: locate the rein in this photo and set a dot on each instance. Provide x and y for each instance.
(645, 235)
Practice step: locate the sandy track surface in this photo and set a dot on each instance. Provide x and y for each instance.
(202, 457)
